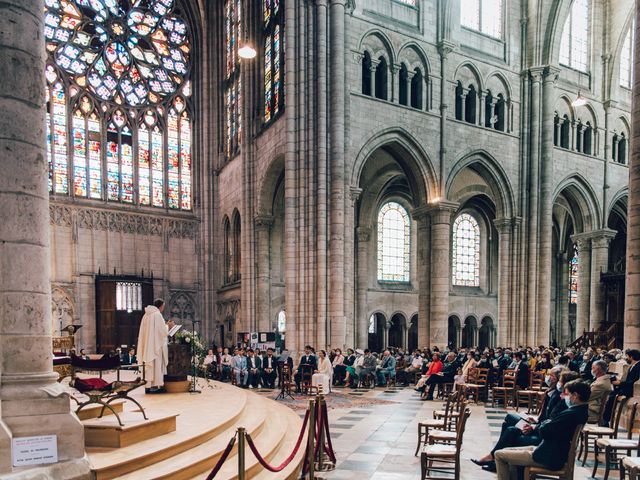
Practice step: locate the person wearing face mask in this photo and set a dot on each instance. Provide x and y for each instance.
(468, 365)
(625, 387)
(523, 435)
(556, 435)
(585, 367)
(600, 389)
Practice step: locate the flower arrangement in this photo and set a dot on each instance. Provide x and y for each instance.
(186, 337)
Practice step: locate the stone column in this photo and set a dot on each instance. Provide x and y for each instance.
(563, 299)
(263, 308)
(362, 320)
(27, 381)
(599, 263)
(505, 326)
(632, 284)
(420, 215)
(337, 328)
(440, 214)
(583, 240)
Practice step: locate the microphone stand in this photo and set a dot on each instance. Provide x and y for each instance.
(194, 386)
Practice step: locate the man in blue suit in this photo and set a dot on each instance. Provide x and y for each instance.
(239, 362)
(556, 433)
(388, 367)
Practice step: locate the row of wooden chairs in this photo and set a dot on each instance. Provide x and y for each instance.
(441, 438)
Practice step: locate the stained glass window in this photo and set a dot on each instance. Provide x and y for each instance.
(483, 16)
(626, 57)
(574, 44)
(128, 296)
(372, 324)
(394, 242)
(273, 35)
(282, 321)
(117, 72)
(233, 86)
(466, 251)
(574, 263)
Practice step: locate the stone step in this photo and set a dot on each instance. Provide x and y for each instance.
(107, 432)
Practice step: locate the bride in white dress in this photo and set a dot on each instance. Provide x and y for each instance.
(323, 375)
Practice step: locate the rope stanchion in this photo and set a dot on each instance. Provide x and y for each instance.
(288, 460)
(329, 446)
(223, 457)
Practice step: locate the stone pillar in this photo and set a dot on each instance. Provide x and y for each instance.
(599, 263)
(505, 326)
(563, 300)
(263, 311)
(632, 284)
(362, 320)
(27, 381)
(420, 215)
(440, 214)
(583, 240)
(337, 328)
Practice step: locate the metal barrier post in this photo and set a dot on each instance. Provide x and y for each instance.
(320, 403)
(241, 440)
(310, 440)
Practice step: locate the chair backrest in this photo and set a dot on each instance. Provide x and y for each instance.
(472, 376)
(616, 415)
(571, 458)
(462, 422)
(632, 411)
(482, 376)
(603, 405)
(509, 378)
(536, 380)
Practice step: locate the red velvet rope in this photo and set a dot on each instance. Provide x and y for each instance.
(223, 458)
(288, 460)
(329, 447)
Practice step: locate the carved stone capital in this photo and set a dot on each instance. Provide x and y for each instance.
(364, 234)
(354, 193)
(503, 225)
(445, 47)
(263, 221)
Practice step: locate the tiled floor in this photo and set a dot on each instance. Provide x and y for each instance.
(379, 442)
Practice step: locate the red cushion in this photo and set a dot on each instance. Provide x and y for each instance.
(86, 384)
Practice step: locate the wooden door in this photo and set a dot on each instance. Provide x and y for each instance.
(106, 326)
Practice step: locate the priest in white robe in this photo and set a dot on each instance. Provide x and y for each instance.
(152, 346)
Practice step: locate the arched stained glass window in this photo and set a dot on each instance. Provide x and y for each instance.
(626, 57)
(372, 323)
(115, 73)
(394, 241)
(57, 133)
(483, 16)
(574, 262)
(87, 142)
(466, 251)
(233, 85)
(282, 321)
(574, 44)
(273, 35)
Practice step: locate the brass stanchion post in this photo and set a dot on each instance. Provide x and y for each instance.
(241, 439)
(311, 439)
(320, 402)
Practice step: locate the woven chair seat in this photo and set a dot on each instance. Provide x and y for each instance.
(443, 435)
(432, 422)
(544, 471)
(618, 442)
(631, 462)
(598, 430)
(439, 450)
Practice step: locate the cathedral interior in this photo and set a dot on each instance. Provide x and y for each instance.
(223, 156)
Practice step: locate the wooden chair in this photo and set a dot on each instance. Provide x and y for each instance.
(444, 389)
(446, 457)
(596, 431)
(612, 446)
(446, 436)
(455, 409)
(506, 391)
(476, 387)
(435, 423)
(566, 472)
(632, 464)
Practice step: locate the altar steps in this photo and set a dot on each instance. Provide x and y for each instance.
(205, 424)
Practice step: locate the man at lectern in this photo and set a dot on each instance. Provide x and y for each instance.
(152, 346)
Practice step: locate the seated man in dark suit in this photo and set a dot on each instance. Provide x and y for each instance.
(522, 371)
(449, 370)
(308, 364)
(129, 358)
(269, 369)
(513, 436)
(253, 368)
(556, 435)
(633, 375)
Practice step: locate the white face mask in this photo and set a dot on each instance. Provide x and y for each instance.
(547, 380)
(559, 387)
